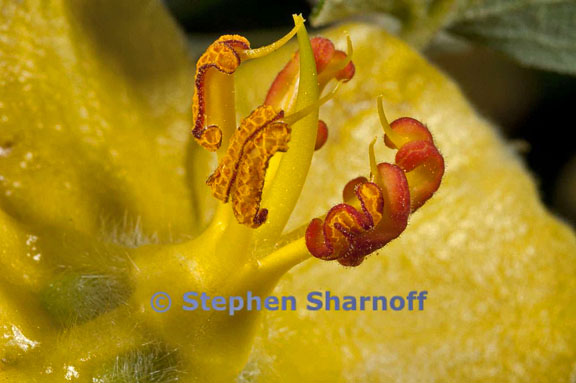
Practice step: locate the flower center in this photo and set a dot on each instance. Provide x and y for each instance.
(373, 213)
(262, 166)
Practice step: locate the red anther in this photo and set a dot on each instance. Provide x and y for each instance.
(282, 92)
(424, 167)
(348, 233)
(418, 157)
(323, 51)
(328, 59)
(349, 192)
(321, 135)
(345, 74)
(380, 211)
(329, 65)
(396, 195)
(409, 129)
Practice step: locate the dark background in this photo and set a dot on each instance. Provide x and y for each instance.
(533, 108)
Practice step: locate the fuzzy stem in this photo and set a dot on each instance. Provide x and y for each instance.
(285, 258)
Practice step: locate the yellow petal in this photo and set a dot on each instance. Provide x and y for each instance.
(95, 117)
(499, 269)
(99, 95)
(94, 124)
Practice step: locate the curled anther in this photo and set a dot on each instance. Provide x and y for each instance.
(241, 171)
(417, 155)
(330, 64)
(224, 56)
(214, 85)
(338, 65)
(375, 212)
(351, 231)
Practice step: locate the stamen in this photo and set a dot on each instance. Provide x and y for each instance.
(224, 56)
(373, 165)
(242, 170)
(292, 118)
(348, 234)
(417, 156)
(423, 164)
(330, 64)
(352, 230)
(252, 171)
(266, 50)
(221, 180)
(390, 135)
(213, 101)
(339, 64)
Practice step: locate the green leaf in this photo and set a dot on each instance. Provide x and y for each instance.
(327, 11)
(420, 19)
(538, 33)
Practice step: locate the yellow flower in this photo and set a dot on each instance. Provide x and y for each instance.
(104, 204)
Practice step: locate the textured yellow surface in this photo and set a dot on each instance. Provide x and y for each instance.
(96, 85)
(499, 269)
(94, 124)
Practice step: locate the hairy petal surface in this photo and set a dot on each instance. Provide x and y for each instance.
(499, 268)
(94, 123)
